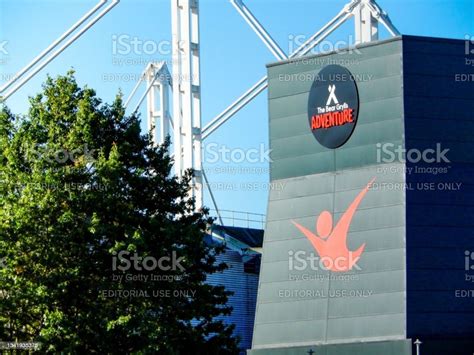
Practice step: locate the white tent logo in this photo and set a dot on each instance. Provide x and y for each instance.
(332, 95)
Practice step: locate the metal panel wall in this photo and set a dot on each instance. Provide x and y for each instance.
(439, 108)
(244, 286)
(303, 308)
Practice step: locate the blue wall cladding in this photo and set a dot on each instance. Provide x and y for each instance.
(438, 110)
(244, 285)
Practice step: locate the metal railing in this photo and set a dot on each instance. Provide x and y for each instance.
(238, 218)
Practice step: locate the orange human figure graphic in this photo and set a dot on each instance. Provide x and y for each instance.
(331, 244)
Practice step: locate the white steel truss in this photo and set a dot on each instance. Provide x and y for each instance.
(186, 86)
(158, 114)
(188, 135)
(354, 8)
(187, 93)
(157, 93)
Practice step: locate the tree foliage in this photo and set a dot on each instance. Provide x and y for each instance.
(79, 185)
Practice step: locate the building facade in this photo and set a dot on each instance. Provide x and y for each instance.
(367, 246)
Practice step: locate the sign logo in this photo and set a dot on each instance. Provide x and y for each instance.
(333, 117)
(332, 95)
(331, 243)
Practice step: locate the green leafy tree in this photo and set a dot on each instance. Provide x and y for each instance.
(81, 189)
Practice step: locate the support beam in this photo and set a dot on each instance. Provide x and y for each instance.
(366, 25)
(259, 29)
(53, 45)
(339, 18)
(60, 50)
(367, 14)
(150, 84)
(382, 17)
(262, 84)
(212, 197)
(158, 78)
(301, 52)
(137, 85)
(187, 93)
(235, 107)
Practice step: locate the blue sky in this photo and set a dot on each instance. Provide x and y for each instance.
(233, 59)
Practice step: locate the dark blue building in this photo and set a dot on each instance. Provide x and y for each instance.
(242, 256)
